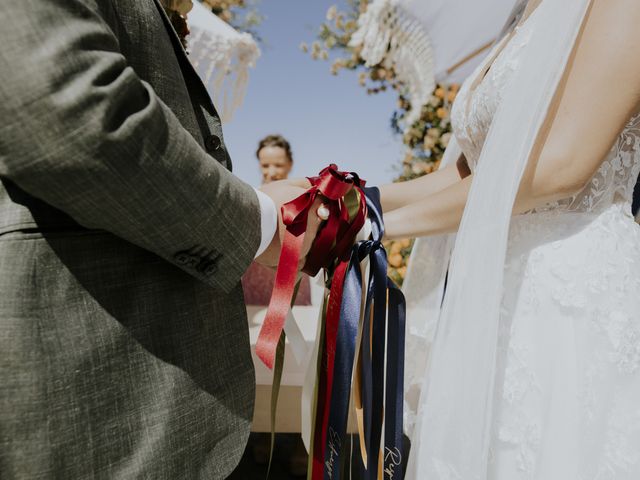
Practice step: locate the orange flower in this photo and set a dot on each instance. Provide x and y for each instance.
(440, 92)
(429, 168)
(434, 133)
(451, 96)
(420, 168)
(428, 143)
(442, 113)
(181, 6)
(445, 139)
(395, 260)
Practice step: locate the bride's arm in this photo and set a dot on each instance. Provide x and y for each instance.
(599, 94)
(397, 195)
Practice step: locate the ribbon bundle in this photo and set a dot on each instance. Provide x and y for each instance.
(361, 344)
(334, 238)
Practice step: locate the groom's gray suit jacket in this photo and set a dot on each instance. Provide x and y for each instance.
(124, 348)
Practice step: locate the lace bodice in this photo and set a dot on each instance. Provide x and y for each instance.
(476, 105)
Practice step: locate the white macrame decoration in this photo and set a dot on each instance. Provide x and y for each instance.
(222, 57)
(428, 41)
(388, 35)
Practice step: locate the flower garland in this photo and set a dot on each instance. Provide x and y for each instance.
(177, 11)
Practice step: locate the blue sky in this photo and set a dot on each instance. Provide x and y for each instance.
(326, 118)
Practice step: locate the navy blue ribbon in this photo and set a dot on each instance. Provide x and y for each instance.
(393, 436)
(373, 347)
(342, 370)
(383, 330)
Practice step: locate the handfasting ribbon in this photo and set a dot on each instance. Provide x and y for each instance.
(382, 336)
(338, 235)
(277, 380)
(325, 383)
(373, 350)
(392, 454)
(381, 358)
(355, 206)
(332, 185)
(343, 368)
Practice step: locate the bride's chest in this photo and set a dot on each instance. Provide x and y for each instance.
(479, 98)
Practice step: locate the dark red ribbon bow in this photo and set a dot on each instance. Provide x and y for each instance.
(332, 242)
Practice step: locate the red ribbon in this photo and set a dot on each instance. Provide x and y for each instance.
(333, 240)
(325, 381)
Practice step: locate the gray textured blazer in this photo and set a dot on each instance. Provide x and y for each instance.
(124, 349)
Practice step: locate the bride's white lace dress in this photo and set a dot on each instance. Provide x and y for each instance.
(568, 396)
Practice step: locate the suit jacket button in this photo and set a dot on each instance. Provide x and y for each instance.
(212, 143)
(193, 262)
(186, 259)
(210, 269)
(182, 258)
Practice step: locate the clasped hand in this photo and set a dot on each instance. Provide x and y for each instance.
(281, 192)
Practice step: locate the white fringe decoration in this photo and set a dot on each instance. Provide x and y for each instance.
(392, 37)
(222, 56)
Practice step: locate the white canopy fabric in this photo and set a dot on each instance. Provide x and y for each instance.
(222, 57)
(429, 41)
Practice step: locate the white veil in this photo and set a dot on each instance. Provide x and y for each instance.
(452, 432)
(424, 283)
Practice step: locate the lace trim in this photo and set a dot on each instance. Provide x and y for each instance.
(614, 181)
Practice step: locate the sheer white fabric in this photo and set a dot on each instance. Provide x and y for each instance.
(533, 372)
(423, 289)
(222, 57)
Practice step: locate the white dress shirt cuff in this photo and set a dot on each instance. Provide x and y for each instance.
(268, 221)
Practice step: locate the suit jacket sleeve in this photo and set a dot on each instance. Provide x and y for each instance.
(81, 131)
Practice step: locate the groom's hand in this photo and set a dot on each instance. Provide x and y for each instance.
(297, 182)
(282, 192)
